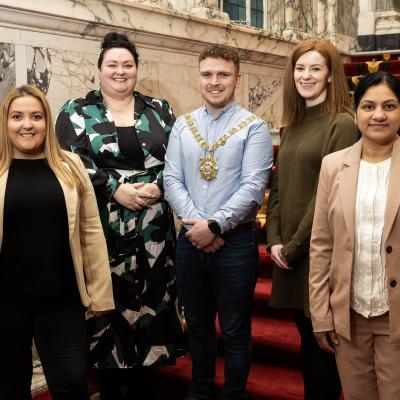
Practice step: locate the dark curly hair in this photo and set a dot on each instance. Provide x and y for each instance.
(117, 40)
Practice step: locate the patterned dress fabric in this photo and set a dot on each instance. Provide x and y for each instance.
(141, 244)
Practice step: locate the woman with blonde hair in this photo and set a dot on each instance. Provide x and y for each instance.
(53, 256)
(318, 120)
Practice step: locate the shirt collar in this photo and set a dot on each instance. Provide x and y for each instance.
(226, 110)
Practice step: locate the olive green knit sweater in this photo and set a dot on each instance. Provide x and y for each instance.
(291, 202)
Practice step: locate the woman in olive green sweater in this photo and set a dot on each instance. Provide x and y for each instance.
(318, 120)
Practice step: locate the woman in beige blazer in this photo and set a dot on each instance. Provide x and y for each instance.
(53, 256)
(355, 251)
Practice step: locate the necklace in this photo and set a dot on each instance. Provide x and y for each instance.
(208, 166)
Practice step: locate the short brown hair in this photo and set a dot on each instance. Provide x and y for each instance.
(338, 98)
(220, 51)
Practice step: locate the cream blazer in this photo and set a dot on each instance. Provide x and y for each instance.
(332, 242)
(86, 239)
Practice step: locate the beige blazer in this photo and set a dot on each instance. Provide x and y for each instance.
(332, 242)
(87, 242)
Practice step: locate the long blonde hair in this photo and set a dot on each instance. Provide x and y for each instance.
(338, 98)
(56, 158)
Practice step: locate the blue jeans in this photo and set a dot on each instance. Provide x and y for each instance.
(221, 283)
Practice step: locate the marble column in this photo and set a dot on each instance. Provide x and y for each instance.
(275, 16)
(321, 13)
(337, 21)
(366, 18)
(288, 31)
(209, 9)
(301, 19)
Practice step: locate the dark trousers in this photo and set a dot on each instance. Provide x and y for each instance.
(126, 383)
(57, 324)
(220, 283)
(320, 374)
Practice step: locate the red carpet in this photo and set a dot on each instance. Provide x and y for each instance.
(275, 373)
(363, 64)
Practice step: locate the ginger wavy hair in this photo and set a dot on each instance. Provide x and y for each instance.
(63, 166)
(338, 98)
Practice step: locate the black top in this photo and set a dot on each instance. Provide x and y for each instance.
(35, 256)
(130, 146)
(83, 127)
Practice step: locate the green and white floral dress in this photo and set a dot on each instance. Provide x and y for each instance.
(141, 244)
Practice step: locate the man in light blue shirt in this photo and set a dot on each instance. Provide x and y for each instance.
(217, 167)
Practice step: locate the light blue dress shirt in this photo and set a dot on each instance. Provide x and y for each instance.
(244, 163)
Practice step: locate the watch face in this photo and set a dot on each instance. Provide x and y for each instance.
(214, 227)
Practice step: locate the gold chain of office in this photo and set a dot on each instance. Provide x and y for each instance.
(208, 166)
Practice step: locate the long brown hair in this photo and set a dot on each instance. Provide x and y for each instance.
(337, 99)
(52, 151)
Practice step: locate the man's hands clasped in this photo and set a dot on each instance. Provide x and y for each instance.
(201, 236)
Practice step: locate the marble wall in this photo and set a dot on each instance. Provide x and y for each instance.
(388, 5)
(379, 25)
(335, 20)
(7, 68)
(60, 73)
(265, 95)
(55, 47)
(346, 16)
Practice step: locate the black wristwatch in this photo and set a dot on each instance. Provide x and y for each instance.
(214, 227)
